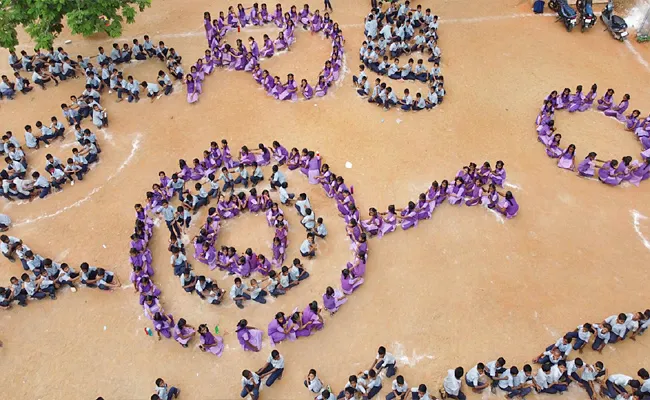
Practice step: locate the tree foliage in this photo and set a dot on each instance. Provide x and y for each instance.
(43, 19)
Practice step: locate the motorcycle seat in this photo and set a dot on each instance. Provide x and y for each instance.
(589, 10)
(618, 22)
(567, 11)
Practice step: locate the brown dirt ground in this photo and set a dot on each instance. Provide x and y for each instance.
(458, 289)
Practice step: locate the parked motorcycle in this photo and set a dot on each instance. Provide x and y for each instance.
(614, 23)
(587, 17)
(565, 13)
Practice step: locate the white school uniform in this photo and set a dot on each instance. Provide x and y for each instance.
(617, 329)
(315, 385)
(472, 376)
(451, 383)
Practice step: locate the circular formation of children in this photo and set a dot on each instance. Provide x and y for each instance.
(400, 31)
(54, 66)
(241, 58)
(610, 172)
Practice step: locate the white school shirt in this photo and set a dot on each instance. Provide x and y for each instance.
(79, 159)
(254, 379)
(57, 174)
(617, 329)
(30, 140)
(309, 221)
(508, 382)
(177, 260)
(400, 32)
(284, 196)
(359, 388)
(583, 335)
(645, 388)
(393, 68)
(491, 368)
(5, 246)
(147, 45)
(277, 364)
(451, 384)
(406, 69)
(520, 379)
(166, 80)
(4, 87)
(315, 385)
(103, 281)
(55, 69)
(366, 88)
(30, 287)
(386, 30)
(176, 185)
(408, 100)
(279, 177)
(5, 220)
(362, 75)
(371, 28)
(214, 184)
(304, 247)
(555, 374)
(542, 379)
(409, 29)
(589, 373)
(363, 50)
(421, 103)
(188, 280)
(19, 84)
(153, 88)
(284, 280)
(564, 348)
(258, 172)
(392, 97)
(168, 213)
(36, 76)
(472, 376)
(619, 379)
(198, 286)
(294, 272)
(116, 54)
(256, 292)
(375, 382)
(400, 388)
(237, 291)
(133, 87)
(402, 10)
(420, 69)
(321, 229)
(571, 367)
(630, 323)
(303, 205)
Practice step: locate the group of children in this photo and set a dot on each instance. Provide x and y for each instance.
(392, 34)
(610, 172)
(241, 58)
(43, 276)
(55, 65)
(557, 372)
(472, 186)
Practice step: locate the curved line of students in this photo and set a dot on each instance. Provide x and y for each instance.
(472, 186)
(554, 376)
(14, 182)
(158, 202)
(221, 54)
(399, 31)
(42, 276)
(610, 172)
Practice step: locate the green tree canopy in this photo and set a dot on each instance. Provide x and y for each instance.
(43, 19)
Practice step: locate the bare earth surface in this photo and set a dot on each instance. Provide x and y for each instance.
(460, 288)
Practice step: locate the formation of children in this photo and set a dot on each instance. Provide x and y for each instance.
(610, 172)
(471, 186)
(277, 278)
(241, 58)
(554, 374)
(43, 276)
(54, 65)
(400, 31)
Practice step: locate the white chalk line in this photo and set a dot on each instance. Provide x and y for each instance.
(636, 54)
(637, 217)
(400, 354)
(135, 145)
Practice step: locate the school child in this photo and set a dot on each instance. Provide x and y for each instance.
(8, 245)
(209, 290)
(257, 292)
(178, 260)
(616, 385)
(494, 369)
(522, 383)
(200, 199)
(250, 385)
(32, 287)
(407, 101)
(32, 140)
(581, 335)
(22, 85)
(238, 294)
(384, 360)
(274, 285)
(258, 175)
(163, 391)
(356, 80)
(452, 383)
(308, 247)
(563, 345)
(41, 77)
(320, 230)
(475, 378)
(209, 342)
(274, 368)
(68, 277)
(188, 280)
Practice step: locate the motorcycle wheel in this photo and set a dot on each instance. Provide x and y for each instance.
(569, 28)
(553, 5)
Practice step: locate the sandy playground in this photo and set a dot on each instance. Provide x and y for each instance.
(463, 287)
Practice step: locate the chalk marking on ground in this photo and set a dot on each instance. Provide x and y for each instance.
(135, 145)
(637, 217)
(400, 354)
(636, 54)
(512, 186)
